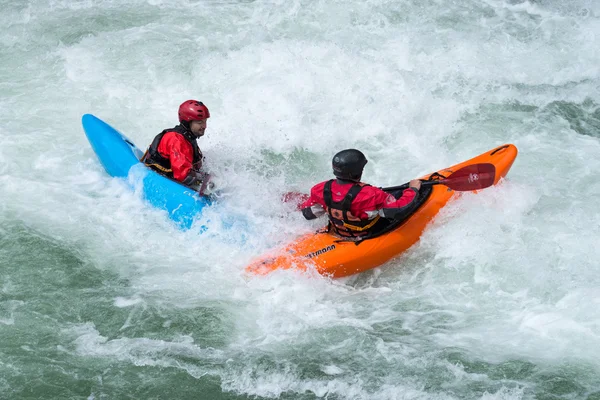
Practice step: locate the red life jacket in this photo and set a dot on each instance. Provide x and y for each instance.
(342, 220)
(162, 165)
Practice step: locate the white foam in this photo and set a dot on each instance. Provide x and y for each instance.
(510, 272)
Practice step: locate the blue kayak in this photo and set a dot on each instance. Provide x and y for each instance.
(119, 155)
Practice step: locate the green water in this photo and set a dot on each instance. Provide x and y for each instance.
(101, 297)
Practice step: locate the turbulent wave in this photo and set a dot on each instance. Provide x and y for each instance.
(102, 297)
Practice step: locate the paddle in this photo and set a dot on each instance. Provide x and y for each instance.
(466, 179)
(295, 198)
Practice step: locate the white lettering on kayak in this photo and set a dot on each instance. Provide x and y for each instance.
(321, 251)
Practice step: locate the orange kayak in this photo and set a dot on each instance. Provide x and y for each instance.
(334, 256)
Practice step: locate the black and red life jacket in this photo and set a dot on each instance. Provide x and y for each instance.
(342, 220)
(153, 159)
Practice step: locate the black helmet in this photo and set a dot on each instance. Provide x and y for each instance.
(348, 164)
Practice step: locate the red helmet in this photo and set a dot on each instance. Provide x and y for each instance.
(193, 110)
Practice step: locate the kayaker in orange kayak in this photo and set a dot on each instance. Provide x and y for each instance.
(335, 256)
(354, 207)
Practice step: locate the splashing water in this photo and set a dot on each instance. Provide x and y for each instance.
(101, 297)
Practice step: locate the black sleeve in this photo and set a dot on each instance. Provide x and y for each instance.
(191, 178)
(308, 213)
(396, 213)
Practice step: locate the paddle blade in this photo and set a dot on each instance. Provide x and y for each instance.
(294, 198)
(471, 177)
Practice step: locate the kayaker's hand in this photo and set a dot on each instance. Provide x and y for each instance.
(193, 178)
(415, 183)
(208, 189)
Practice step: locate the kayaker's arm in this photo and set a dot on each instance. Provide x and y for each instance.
(180, 154)
(312, 207)
(409, 197)
(313, 212)
(393, 213)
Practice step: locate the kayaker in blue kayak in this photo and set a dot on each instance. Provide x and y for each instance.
(354, 207)
(174, 152)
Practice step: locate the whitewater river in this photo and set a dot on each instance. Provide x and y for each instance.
(102, 297)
